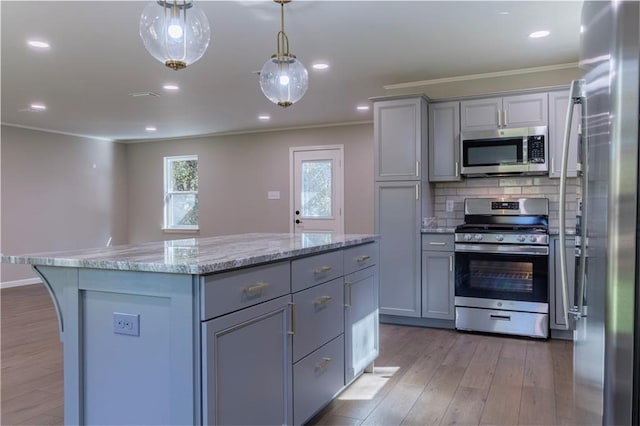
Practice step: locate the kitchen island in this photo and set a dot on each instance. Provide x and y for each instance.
(240, 329)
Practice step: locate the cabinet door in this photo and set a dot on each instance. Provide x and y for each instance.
(556, 307)
(558, 105)
(437, 285)
(480, 114)
(525, 110)
(444, 142)
(398, 135)
(397, 221)
(361, 321)
(247, 366)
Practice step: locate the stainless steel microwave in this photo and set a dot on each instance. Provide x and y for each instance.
(505, 151)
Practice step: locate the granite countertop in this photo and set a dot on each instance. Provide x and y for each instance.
(195, 255)
(437, 230)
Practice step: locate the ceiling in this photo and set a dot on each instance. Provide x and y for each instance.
(97, 60)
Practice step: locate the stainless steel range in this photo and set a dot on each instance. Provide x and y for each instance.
(502, 263)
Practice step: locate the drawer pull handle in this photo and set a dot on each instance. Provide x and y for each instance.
(292, 306)
(437, 243)
(322, 269)
(363, 258)
(348, 284)
(501, 317)
(252, 290)
(322, 300)
(324, 363)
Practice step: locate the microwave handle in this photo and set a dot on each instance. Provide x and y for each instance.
(575, 96)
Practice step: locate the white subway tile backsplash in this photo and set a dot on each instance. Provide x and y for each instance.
(539, 186)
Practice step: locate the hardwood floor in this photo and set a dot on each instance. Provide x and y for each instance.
(422, 377)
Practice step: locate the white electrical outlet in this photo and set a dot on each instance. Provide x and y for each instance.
(449, 206)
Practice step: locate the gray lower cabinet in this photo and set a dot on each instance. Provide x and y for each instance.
(555, 280)
(317, 378)
(397, 221)
(247, 366)
(438, 276)
(361, 321)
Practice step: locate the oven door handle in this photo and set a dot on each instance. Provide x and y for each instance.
(502, 249)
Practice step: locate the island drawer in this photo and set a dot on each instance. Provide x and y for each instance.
(319, 316)
(360, 257)
(309, 271)
(317, 378)
(230, 291)
(437, 242)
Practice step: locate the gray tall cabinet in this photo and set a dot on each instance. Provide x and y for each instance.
(401, 188)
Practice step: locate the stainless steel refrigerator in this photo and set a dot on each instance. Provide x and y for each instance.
(603, 311)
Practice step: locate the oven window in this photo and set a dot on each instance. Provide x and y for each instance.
(492, 152)
(513, 277)
(502, 276)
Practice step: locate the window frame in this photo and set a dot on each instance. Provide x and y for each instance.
(168, 194)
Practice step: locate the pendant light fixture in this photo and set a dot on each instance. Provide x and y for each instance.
(175, 32)
(283, 79)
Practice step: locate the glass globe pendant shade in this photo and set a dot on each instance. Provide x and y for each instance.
(175, 32)
(284, 80)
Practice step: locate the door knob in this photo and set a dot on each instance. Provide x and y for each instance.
(298, 221)
(297, 211)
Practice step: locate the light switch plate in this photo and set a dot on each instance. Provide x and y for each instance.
(273, 195)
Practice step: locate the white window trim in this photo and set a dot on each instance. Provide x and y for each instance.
(167, 193)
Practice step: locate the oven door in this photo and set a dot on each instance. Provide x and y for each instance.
(502, 272)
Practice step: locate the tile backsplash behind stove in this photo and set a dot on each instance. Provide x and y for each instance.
(508, 187)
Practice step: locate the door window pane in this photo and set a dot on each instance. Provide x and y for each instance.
(317, 188)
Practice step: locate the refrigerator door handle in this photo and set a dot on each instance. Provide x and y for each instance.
(575, 96)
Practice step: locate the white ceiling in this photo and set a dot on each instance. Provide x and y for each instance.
(97, 59)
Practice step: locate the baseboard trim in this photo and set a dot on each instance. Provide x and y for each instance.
(19, 283)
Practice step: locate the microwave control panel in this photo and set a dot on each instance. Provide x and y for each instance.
(535, 148)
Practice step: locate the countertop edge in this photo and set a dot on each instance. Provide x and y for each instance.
(235, 262)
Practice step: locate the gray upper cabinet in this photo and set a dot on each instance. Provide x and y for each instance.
(444, 142)
(397, 221)
(506, 112)
(399, 136)
(558, 104)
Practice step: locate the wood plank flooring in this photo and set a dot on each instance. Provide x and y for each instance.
(422, 377)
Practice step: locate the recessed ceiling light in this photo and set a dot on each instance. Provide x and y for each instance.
(539, 34)
(362, 107)
(150, 128)
(264, 117)
(504, 13)
(171, 87)
(38, 107)
(38, 44)
(320, 66)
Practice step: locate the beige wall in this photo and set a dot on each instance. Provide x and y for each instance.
(235, 173)
(58, 192)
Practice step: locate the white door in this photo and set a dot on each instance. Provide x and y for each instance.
(317, 189)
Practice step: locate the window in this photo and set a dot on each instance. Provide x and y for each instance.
(181, 192)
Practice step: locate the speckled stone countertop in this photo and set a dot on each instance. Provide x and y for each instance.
(438, 230)
(196, 255)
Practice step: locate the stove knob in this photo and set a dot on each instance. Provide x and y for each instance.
(477, 237)
(499, 237)
(468, 237)
(532, 238)
(520, 238)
